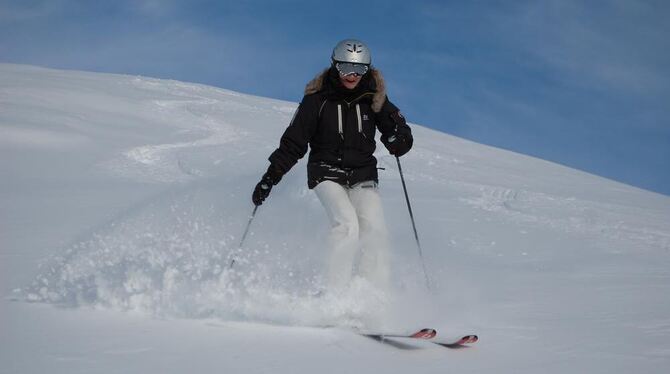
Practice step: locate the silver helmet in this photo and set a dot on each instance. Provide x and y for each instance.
(352, 51)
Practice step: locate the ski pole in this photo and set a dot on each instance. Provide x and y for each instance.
(244, 236)
(411, 216)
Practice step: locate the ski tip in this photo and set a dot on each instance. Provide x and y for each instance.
(459, 343)
(424, 334)
(468, 339)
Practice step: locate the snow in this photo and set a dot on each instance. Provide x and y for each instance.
(122, 197)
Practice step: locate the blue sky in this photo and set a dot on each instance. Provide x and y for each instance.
(582, 83)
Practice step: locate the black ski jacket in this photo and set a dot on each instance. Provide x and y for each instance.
(339, 125)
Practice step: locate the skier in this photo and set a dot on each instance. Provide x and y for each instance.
(337, 118)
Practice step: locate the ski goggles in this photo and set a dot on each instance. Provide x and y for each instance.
(348, 68)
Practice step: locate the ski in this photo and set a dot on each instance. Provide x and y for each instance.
(456, 342)
(426, 334)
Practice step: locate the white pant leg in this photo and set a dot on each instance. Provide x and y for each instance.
(343, 237)
(374, 263)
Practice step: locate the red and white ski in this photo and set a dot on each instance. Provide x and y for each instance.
(456, 342)
(427, 335)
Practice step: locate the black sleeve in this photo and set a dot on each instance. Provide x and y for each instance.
(293, 144)
(391, 122)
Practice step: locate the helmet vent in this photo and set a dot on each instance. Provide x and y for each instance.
(353, 48)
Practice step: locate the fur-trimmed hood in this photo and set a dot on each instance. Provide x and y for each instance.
(378, 98)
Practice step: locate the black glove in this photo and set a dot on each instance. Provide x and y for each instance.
(263, 188)
(399, 144)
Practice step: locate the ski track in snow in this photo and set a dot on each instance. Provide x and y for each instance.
(571, 215)
(163, 162)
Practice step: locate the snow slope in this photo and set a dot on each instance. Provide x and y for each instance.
(122, 197)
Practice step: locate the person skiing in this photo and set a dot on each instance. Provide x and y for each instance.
(337, 118)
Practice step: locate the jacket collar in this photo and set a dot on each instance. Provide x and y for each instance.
(377, 87)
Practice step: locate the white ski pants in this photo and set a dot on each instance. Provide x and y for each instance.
(357, 226)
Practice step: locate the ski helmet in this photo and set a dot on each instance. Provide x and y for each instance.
(351, 51)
